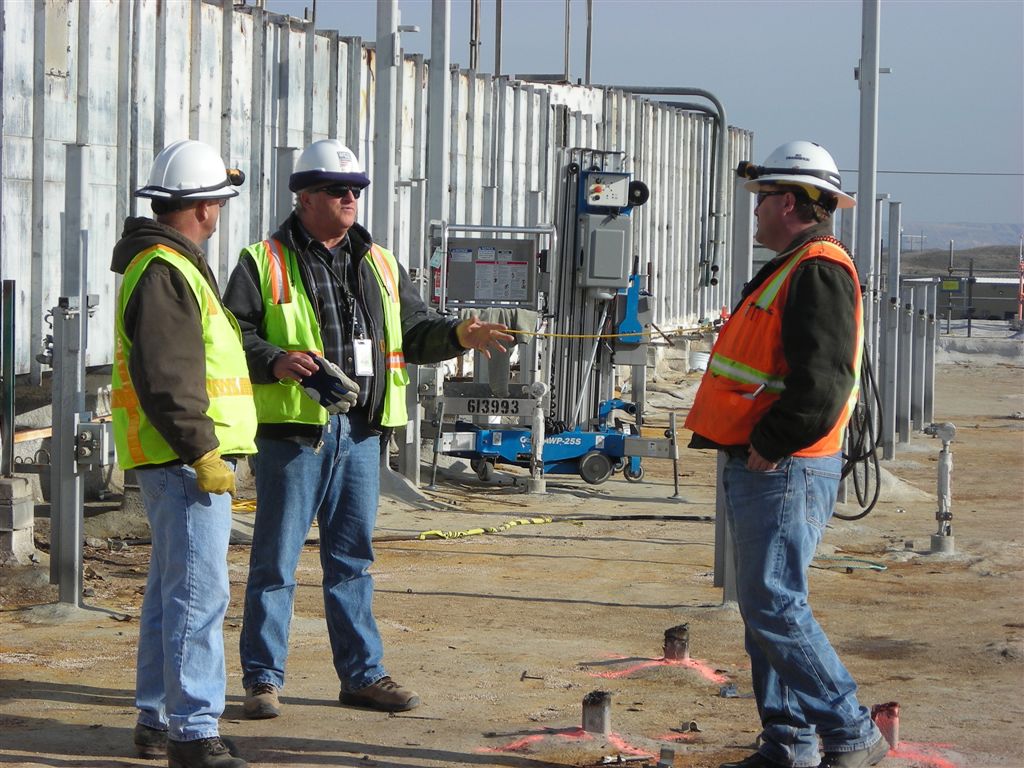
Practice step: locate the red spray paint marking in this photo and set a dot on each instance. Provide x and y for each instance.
(924, 755)
(701, 667)
(569, 734)
(623, 746)
(521, 745)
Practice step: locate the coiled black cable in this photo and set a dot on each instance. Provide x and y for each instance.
(864, 435)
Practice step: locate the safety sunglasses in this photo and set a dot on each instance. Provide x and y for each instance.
(762, 196)
(340, 190)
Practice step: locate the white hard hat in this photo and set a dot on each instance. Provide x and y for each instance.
(326, 161)
(802, 163)
(190, 170)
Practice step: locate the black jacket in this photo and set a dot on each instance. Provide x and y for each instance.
(818, 336)
(426, 336)
(167, 365)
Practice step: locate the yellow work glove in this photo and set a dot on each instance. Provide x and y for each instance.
(213, 474)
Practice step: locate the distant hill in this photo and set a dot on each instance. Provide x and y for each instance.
(964, 236)
(935, 262)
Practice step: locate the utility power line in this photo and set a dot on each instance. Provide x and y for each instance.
(946, 173)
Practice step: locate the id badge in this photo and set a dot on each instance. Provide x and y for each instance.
(363, 357)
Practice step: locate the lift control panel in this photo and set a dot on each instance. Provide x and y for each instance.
(604, 190)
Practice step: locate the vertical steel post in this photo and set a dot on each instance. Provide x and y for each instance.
(66, 491)
(848, 227)
(929, 360)
(725, 567)
(918, 384)
(474, 34)
(41, 214)
(9, 318)
(439, 101)
(887, 372)
(284, 200)
(904, 348)
(875, 286)
(741, 268)
(590, 40)
(567, 37)
(497, 38)
(389, 60)
(868, 84)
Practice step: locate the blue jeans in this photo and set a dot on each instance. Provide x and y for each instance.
(179, 683)
(803, 691)
(339, 485)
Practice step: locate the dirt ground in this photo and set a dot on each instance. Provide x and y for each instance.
(504, 634)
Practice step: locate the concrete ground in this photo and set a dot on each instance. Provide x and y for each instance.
(504, 634)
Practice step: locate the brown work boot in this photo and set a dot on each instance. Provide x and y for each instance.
(261, 702)
(202, 753)
(385, 695)
(150, 743)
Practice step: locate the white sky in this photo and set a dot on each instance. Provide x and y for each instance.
(784, 69)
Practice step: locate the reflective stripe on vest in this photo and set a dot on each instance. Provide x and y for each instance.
(747, 370)
(228, 388)
(279, 283)
(385, 268)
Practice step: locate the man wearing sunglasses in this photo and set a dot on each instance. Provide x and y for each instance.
(329, 319)
(778, 393)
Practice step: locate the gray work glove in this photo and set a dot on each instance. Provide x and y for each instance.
(330, 387)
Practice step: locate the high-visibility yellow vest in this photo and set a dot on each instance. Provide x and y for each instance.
(747, 369)
(232, 411)
(289, 322)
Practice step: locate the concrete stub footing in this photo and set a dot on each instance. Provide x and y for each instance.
(677, 642)
(17, 521)
(667, 758)
(597, 712)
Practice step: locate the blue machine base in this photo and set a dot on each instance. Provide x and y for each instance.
(592, 455)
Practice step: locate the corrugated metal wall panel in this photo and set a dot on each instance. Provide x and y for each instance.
(254, 83)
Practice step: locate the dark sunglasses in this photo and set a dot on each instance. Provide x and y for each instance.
(762, 196)
(340, 190)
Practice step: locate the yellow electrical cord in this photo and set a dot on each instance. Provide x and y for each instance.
(580, 335)
(478, 531)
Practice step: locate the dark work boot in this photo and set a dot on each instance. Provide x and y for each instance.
(859, 758)
(756, 760)
(150, 743)
(385, 695)
(202, 753)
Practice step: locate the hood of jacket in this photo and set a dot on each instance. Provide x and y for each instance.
(141, 233)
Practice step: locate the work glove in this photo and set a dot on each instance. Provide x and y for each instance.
(213, 474)
(330, 387)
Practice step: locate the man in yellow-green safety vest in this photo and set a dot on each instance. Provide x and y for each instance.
(182, 409)
(329, 319)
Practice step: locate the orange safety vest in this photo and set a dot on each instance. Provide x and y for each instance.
(747, 370)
